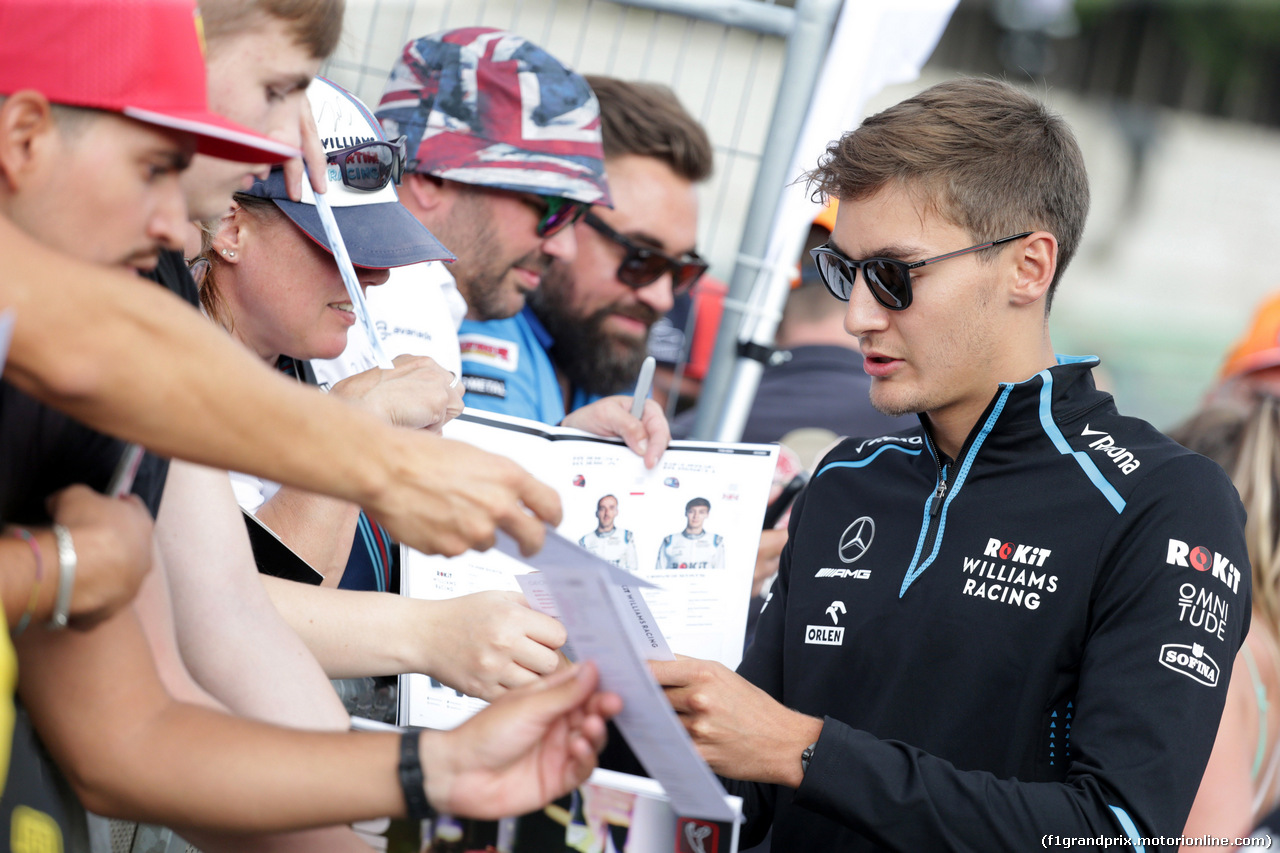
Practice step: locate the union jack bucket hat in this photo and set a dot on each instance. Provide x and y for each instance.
(486, 107)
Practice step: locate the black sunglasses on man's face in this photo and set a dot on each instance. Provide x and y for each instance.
(888, 279)
(643, 265)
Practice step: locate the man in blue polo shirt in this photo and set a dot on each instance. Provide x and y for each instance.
(584, 332)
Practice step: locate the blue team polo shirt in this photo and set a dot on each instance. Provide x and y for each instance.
(506, 368)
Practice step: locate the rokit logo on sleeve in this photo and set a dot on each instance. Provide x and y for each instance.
(1011, 577)
(827, 635)
(854, 542)
(1202, 559)
(1124, 459)
(1191, 661)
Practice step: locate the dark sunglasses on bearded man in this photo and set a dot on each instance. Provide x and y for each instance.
(643, 265)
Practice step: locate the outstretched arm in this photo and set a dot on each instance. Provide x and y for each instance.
(482, 644)
(232, 639)
(222, 772)
(134, 361)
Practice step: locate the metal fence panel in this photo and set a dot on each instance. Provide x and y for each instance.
(726, 75)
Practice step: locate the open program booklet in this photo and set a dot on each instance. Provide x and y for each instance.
(690, 526)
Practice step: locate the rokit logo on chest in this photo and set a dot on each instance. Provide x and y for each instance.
(1011, 576)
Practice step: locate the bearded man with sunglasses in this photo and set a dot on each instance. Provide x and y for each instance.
(585, 331)
(504, 156)
(990, 632)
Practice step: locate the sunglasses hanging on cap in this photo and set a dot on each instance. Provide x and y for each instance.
(370, 165)
(643, 265)
(888, 279)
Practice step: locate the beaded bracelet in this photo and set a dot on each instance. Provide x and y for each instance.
(25, 535)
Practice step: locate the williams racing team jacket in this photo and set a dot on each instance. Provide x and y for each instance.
(1031, 640)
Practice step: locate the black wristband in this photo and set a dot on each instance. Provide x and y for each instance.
(412, 783)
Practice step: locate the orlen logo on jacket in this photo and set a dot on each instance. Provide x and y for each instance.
(1190, 661)
(1202, 559)
(1124, 459)
(1016, 553)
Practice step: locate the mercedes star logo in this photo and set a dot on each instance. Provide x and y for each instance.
(856, 539)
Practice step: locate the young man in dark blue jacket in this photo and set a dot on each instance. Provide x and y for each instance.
(1014, 625)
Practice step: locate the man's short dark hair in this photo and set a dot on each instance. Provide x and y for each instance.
(697, 502)
(602, 497)
(982, 154)
(647, 120)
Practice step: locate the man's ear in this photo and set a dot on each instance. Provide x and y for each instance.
(426, 193)
(1035, 264)
(28, 134)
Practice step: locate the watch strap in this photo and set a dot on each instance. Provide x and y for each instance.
(412, 782)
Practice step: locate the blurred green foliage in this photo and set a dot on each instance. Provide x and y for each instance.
(1227, 38)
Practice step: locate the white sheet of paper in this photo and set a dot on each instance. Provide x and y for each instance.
(629, 602)
(581, 585)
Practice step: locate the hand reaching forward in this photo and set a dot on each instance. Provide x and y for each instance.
(487, 643)
(444, 496)
(529, 747)
(648, 435)
(417, 393)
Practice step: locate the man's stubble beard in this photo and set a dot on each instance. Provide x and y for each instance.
(480, 274)
(593, 360)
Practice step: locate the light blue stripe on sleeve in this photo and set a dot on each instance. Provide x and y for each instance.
(1060, 442)
(1130, 828)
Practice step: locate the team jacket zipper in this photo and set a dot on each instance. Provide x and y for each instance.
(935, 508)
(939, 494)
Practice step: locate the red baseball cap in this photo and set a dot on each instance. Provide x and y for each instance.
(141, 58)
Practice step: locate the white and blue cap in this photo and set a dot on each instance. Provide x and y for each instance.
(379, 232)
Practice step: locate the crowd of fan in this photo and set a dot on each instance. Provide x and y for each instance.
(520, 230)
